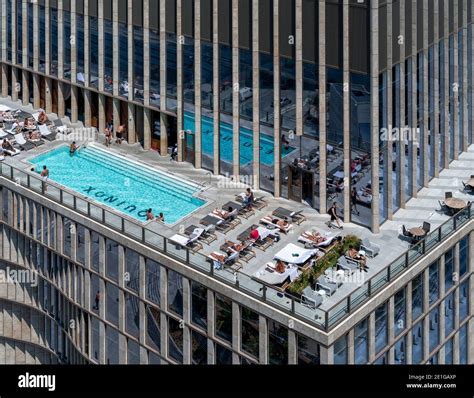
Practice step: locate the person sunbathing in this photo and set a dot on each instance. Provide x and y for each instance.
(282, 224)
(42, 118)
(238, 247)
(33, 136)
(315, 237)
(224, 214)
(7, 146)
(354, 254)
(280, 267)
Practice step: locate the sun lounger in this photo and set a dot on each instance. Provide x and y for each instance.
(15, 152)
(4, 134)
(371, 249)
(206, 237)
(326, 284)
(311, 298)
(228, 259)
(272, 277)
(245, 253)
(294, 216)
(326, 245)
(190, 241)
(266, 237)
(268, 220)
(259, 203)
(46, 133)
(243, 211)
(293, 254)
(347, 264)
(22, 143)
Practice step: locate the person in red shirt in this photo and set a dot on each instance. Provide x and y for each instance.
(254, 235)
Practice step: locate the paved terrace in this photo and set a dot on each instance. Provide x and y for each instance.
(220, 190)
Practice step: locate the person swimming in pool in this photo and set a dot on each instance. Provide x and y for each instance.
(149, 215)
(160, 218)
(73, 148)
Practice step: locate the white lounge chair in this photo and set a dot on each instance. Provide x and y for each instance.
(293, 254)
(268, 220)
(190, 241)
(305, 237)
(21, 141)
(46, 133)
(228, 259)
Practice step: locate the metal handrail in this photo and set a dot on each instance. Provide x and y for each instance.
(328, 318)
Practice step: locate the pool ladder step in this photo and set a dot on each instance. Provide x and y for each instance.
(107, 161)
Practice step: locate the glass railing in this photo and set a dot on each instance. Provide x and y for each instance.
(283, 301)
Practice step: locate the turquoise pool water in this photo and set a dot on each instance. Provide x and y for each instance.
(128, 187)
(246, 141)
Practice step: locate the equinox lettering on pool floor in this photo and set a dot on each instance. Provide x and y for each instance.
(108, 198)
(128, 187)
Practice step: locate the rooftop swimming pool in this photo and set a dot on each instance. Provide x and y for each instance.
(127, 186)
(246, 141)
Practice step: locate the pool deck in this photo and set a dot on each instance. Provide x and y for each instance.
(218, 190)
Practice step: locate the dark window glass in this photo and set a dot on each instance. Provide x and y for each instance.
(250, 335)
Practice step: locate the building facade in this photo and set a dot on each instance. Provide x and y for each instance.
(254, 89)
(104, 296)
(292, 96)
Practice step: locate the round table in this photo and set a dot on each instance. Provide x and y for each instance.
(417, 232)
(455, 203)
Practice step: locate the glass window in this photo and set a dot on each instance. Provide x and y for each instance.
(277, 343)
(434, 282)
(132, 269)
(155, 68)
(463, 345)
(448, 352)
(175, 340)
(111, 259)
(153, 329)
(449, 269)
(108, 55)
(463, 301)
(138, 60)
(399, 351)
(463, 256)
(132, 316)
(171, 88)
(94, 51)
(95, 250)
(400, 311)
(223, 355)
(199, 304)
(308, 351)
(112, 307)
(223, 317)
(67, 44)
(381, 327)
(198, 348)
(417, 296)
(449, 314)
(361, 346)
(123, 62)
(112, 345)
(175, 292)
(81, 244)
(67, 228)
(417, 339)
(153, 281)
(340, 351)
(80, 48)
(133, 357)
(250, 334)
(434, 328)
